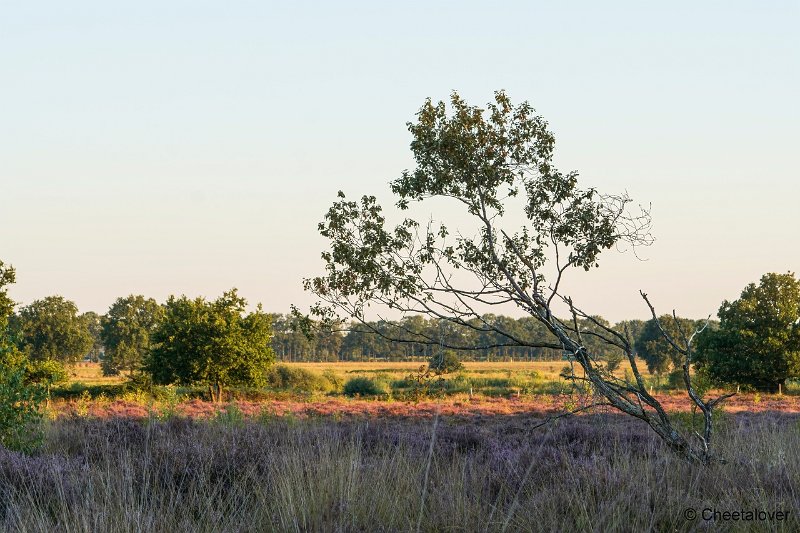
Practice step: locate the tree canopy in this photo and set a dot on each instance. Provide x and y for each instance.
(50, 329)
(758, 340)
(213, 343)
(126, 331)
(94, 323)
(656, 350)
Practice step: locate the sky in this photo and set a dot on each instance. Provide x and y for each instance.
(187, 147)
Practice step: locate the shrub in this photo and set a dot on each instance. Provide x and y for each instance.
(613, 360)
(445, 362)
(362, 386)
(693, 420)
(19, 409)
(230, 416)
(20, 415)
(333, 378)
(297, 379)
(701, 382)
(46, 373)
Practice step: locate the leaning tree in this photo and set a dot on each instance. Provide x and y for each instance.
(522, 226)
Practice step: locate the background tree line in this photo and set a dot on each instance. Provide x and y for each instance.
(416, 338)
(188, 341)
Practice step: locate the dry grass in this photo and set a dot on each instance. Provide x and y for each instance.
(91, 374)
(547, 370)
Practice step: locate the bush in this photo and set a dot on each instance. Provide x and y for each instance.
(46, 374)
(19, 409)
(334, 379)
(445, 362)
(613, 360)
(363, 386)
(74, 390)
(297, 379)
(230, 416)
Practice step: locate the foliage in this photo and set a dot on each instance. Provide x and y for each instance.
(213, 343)
(415, 337)
(126, 331)
(659, 355)
(19, 400)
(333, 378)
(7, 277)
(291, 343)
(50, 329)
(95, 326)
(613, 360)
(230, 416)
(46, 374)
(297, 379)
(758, 340)
(445, 362)
(362, 386)
(19, 409)
(424, 383)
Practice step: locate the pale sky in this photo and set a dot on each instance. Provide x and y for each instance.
(192, 146)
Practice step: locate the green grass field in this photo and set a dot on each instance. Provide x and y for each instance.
(91, 374)
(493, 379)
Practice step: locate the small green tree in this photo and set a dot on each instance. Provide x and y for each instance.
(758, 340)
(445, 362)
(524, 226)
(213, 343)
(50, 329)
(362, 386)
(126, 331)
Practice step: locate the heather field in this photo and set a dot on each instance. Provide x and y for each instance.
(230, 472)
(326, 462)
